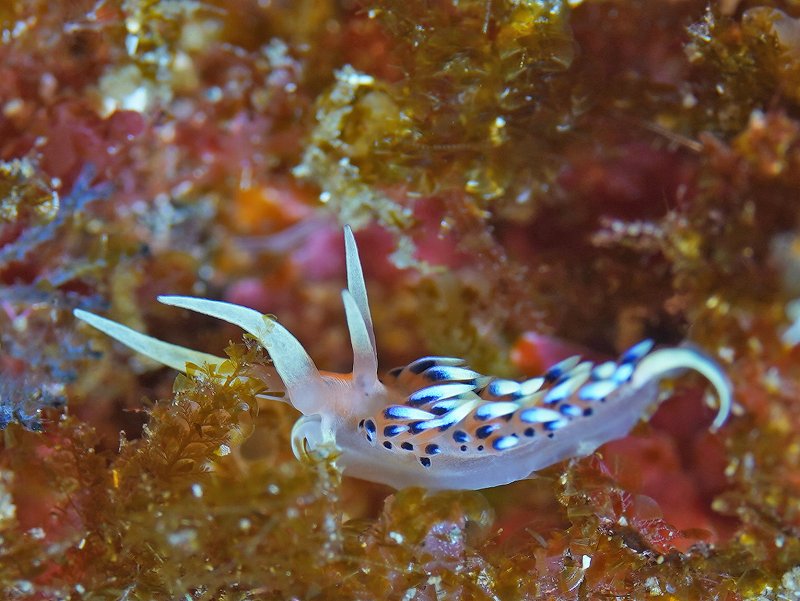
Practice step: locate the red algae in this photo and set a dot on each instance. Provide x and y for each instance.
(528, 177)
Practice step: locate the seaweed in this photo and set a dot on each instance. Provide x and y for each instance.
(529, 178)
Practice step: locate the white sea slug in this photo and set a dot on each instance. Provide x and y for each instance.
(435, 422)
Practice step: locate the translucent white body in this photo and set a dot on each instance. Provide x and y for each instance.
(436, 423)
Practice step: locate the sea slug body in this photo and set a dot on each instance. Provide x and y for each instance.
(435, 422)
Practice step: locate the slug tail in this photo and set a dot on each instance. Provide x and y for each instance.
(660, 363)
(171, 355)
(300, 376)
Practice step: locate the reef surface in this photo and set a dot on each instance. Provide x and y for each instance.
(526, 179)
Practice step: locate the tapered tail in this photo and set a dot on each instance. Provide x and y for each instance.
(659, 364)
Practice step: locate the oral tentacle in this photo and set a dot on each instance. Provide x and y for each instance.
(171, 355)
(300, 376)
(307, 428)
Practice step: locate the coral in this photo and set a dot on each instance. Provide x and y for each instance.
(527, 177)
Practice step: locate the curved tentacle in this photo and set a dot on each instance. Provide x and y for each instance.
(307, 429)
(303, 381)
(660, 363)
(171, 355)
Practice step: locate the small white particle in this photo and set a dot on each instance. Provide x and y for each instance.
(397, 537)
(653, 586)
(137, 100)
(13, 107)
(131, 44)
(214, 94)
(205, 273)
(410, 594)
(186, 538)
(197, 490)
(353, 77)
(726, 353)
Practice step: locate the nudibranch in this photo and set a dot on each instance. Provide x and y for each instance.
(437, 423)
